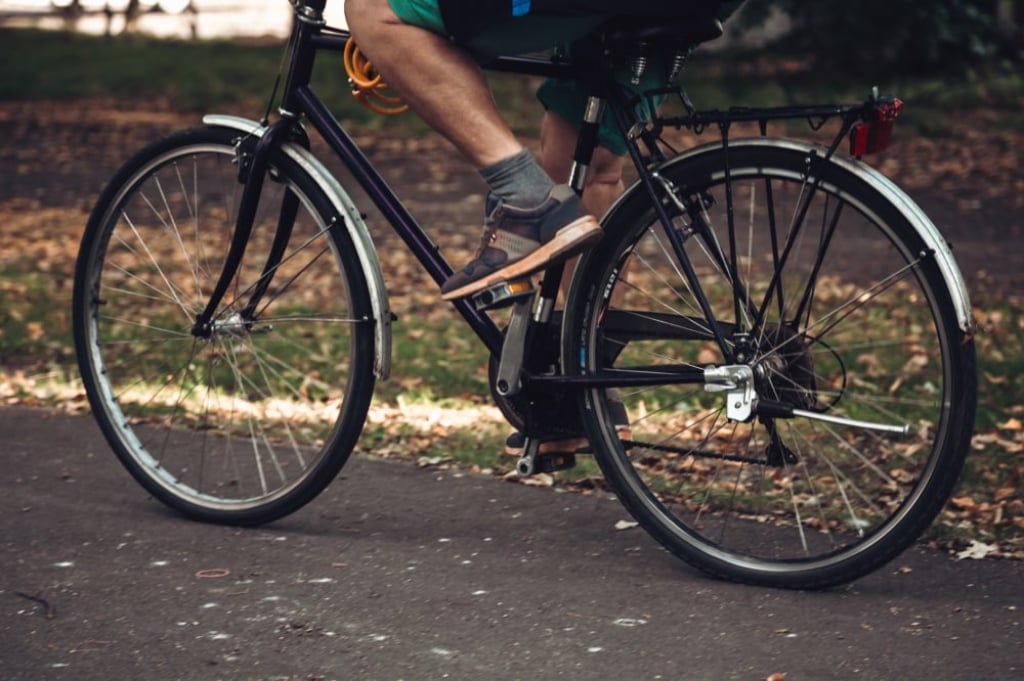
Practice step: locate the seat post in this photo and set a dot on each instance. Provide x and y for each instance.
(586, 142)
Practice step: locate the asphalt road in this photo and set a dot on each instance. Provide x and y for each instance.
(399, 572)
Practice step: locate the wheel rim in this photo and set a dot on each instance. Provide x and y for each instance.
(863, 344)
(242, 416)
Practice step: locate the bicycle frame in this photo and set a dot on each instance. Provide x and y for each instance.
(812, 445)
(299, 100)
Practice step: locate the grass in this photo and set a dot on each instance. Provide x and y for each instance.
(208, 75)
(439, 360)
(32, 326)
(1000, 345)
(190, 76)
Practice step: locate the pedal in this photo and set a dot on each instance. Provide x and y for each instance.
(544, 463)
(502, 295)
(550, 463)
(527, 463)
(533, 461)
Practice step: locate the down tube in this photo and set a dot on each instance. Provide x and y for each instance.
(404, 225)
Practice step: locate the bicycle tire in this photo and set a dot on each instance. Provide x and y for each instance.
(772, 501)
(253, 420)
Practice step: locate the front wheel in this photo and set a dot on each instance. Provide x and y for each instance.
(249, 418)
(833, 313)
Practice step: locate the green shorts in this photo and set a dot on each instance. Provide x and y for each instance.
(532, 33)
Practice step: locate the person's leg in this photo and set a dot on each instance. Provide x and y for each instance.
(440, 82)
(603, 183)
(530, 223)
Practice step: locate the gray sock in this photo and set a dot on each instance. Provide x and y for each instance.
(519, 180)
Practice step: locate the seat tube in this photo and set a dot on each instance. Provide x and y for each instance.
(586, 142)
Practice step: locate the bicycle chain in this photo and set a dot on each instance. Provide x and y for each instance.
(629, 444)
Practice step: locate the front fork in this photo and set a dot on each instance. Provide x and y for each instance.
(253, 168)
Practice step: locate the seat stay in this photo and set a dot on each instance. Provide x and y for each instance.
(627, 121)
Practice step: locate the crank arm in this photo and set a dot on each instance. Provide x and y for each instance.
(513, 350)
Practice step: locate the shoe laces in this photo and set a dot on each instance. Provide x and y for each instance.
(490, 224)
(487, 238)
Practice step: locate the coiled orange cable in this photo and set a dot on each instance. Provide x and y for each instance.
(367, 85)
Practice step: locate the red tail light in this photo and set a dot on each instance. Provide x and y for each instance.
(874, 133)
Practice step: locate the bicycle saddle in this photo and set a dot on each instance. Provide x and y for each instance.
(687, 32)
(676, 22)
(656, 9)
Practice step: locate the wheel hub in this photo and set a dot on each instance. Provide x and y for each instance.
(232, 326)
(784, 369)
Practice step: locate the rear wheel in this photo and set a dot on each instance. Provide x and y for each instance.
(247, 420)
(838, 331)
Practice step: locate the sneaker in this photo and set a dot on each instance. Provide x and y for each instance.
(518, 242)
(515, 444)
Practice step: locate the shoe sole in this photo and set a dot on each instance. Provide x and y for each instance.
(567, 242)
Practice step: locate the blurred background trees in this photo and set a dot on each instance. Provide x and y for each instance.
(914, 37)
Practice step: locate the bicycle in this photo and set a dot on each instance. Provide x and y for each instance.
(794, 421)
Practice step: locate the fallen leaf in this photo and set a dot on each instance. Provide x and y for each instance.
(538, 480)
(625, 525)
(976, 551)
(963, 503)
(1004, 493)
(994, 379)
